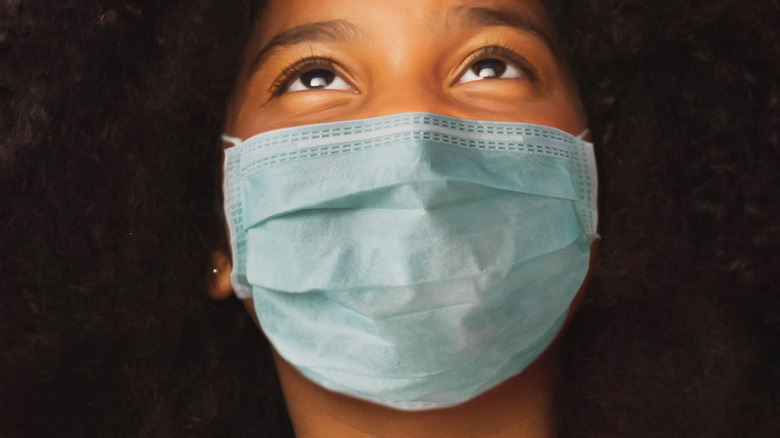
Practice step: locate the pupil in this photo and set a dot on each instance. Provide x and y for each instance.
(317, 78)
(489, 68)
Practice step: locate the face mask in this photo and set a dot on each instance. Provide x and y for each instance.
(412, 260)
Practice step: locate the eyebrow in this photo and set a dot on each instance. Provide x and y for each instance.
(321, 32)
(488, 17)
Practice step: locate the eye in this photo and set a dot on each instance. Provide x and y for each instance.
(318, 79)
(490, 68)
(308, 75)
(496, 62)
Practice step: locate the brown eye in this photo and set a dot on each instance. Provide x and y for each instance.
(490, 68)
(317, 79)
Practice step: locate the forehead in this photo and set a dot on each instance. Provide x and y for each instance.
(371, 16)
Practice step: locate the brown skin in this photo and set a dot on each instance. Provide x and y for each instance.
(395, 56)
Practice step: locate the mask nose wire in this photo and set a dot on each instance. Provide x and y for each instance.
(235, 141)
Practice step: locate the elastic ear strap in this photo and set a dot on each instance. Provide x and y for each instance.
(235, 141)
(583, 134)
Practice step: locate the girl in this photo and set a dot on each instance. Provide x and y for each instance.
(113, 228)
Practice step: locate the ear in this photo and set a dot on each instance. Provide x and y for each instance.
(219, 286)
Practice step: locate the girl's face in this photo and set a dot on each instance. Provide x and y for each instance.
(331, 60)
(327, 60)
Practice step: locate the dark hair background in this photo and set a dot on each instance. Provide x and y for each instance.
(110, 115)
(679, 333)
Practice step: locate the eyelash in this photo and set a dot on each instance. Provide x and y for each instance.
(292, 71)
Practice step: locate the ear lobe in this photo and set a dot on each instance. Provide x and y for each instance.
(219, 287)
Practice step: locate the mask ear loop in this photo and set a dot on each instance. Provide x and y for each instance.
(240, 291)
(235, 141)
(594, 177)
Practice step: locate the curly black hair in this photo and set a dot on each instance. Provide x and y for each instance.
(679, 334)
(111, 112)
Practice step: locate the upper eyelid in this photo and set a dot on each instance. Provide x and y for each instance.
(321, 32)
(490, 17)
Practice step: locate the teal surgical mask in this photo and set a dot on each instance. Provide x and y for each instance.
(413, 260)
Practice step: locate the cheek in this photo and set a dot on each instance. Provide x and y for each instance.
(248, 113)
(243, 118)
(561, 109)
(565, 114)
